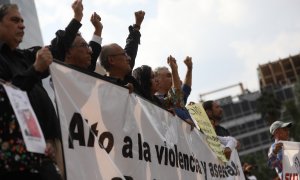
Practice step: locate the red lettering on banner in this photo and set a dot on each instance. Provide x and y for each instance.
(291, 176)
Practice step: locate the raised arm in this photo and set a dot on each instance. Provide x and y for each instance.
(96, 21)
(64, 38)
(187, 84)
(78, 10)
(139, 17)
(174, 70)
(133, 39)
(188, 77)
(96, 41)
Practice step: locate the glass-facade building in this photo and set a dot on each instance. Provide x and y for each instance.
(240, 114)
(241, 118)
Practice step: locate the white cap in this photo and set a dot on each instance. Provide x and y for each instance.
(279, 124)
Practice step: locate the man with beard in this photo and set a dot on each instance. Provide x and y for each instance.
(215, 112)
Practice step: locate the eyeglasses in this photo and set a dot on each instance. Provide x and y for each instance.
(120, 54)
(84, 45)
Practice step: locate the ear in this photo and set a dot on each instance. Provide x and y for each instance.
(276, 132)
(67, 55)
(209, 113)
(111, 61)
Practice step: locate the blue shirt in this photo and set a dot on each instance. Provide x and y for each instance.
(183, 113)
(275, 160)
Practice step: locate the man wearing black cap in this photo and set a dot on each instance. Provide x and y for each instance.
(280, 132)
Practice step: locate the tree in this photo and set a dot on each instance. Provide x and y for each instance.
(259, 161)
(269, 106)
(293, 109)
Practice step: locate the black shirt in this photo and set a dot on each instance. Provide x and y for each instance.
(16, 66)
(221, 131)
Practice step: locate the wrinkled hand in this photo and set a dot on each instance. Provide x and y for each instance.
(190, 122)
(78, 10)
(188, 62)
(227, 152)
(139, 17)
(130, 87)
(277, 148)
(172, 111)
(49, 151)
(172, 63)
(96, 21)
(43, 60)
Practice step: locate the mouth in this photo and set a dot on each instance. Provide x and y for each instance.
(20, 34)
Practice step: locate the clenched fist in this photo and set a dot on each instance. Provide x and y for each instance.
(43, 60)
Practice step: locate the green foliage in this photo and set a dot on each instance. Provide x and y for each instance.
(297, 93)
(293, 109)
(259, 160)
(269, 106)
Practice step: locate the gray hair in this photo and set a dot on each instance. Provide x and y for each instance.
(106, 51)
(4, 9)
(156, 70)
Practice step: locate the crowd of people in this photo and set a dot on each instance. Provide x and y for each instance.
(26, 68)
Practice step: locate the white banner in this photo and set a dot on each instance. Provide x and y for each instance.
(291, 160)
(109, 134)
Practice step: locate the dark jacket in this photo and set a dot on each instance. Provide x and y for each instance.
(221, 131)
(131, 48)
(17, 66)
(64, 40)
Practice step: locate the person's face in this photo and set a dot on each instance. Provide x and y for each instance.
(217, 112)
(283, 134)
(12, 28)
(120, 61)
(165, 79)
(80, 53)
(154, 83)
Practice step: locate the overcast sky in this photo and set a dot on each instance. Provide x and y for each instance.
(227, 39)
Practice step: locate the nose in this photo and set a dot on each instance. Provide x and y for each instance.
(21, 25)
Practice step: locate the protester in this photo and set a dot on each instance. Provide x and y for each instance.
(280, 132)
(228, 143)
(25, 69)
(165, 78)
(149, 83)
(174, 96)
(118, 62)
(186, 88)
(70, 47)
(215, 112)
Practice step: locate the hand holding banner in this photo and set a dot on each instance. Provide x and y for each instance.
(198, 113)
